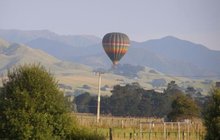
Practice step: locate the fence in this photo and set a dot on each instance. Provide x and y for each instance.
(114, 135)
(114, 122)
(172, 130)
(120, 128)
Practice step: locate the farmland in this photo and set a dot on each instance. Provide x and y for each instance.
(123, 128)
(80, 78)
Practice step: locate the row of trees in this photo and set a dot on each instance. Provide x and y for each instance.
(133, 100)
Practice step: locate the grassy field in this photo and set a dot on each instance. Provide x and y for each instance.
(77, 78)
(80, 78)
(124, 128)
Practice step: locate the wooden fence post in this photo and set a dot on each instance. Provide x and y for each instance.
(150, 131)
(141, 134)
(178, 130)
(164, 131)
(183, 133)
(110, 133)
(122, 124)
(130, 136)
(188, 131)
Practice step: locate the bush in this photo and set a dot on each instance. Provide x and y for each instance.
(33, 107)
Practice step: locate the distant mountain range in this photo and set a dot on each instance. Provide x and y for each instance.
(19, 36)
(175, 56)
(169, 55)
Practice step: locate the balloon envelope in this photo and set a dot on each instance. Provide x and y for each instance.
(115, 45)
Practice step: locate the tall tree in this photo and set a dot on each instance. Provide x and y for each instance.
(212, 116)
(33, 107)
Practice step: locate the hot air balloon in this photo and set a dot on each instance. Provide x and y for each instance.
(115, 45)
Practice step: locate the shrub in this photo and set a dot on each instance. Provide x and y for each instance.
(33, 107)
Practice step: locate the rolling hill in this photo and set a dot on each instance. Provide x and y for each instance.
(78, 76)
(17, 54)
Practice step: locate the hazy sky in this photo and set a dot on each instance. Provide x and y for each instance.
(194, 20)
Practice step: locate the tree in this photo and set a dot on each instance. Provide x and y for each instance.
(212, 116)
(33, 107)
(82, 102)
(128, 100)
(125, 99)
(161, 104)
(183, 107)
(173, 89)
(133, 100)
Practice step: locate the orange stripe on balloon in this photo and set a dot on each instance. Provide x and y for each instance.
(115, 51)
(117, 48)
(116, 44)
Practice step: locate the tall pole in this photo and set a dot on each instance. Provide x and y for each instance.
(99, 92)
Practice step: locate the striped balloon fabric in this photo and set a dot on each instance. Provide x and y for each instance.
(115, 45)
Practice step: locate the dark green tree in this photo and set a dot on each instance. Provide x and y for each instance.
(33, 107)
(145, 106)
(125, 99)
(212, 116)
(183, 107)
(82, 102)
(161, 104)
(105, 105)
(133, 100)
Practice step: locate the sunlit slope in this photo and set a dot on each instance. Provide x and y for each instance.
(16, 54)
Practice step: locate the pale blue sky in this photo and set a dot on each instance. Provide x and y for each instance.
(194, 20)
